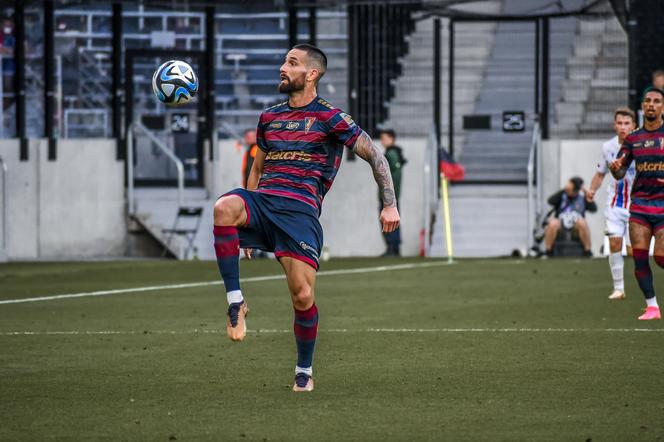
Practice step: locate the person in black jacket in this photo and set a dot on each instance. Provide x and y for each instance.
(570, 206)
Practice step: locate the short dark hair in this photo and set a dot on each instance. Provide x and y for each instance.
(316, 55)
(389, 133)
(577, 183)
(658, 73)
(625, 112)
(652, 89)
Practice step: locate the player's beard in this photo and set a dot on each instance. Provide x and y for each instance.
(287, 86)
(651, 117)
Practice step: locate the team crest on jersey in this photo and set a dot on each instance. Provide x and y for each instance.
(347, 119)
(649, 143)
(308, 122)
(292, 125)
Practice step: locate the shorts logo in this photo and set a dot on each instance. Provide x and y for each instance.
(292, 125)
(275, 125)
(308, 122)
(308, 248)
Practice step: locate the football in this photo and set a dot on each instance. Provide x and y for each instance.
(175, 83)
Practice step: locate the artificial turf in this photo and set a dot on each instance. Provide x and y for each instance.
(477, 350)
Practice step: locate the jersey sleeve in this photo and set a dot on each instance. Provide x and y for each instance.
(260, 135)
(342, 128)
(602, 166)
(625, 151)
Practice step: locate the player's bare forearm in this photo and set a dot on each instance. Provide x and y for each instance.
(619, 173)
(595, 184)
(256, 170)
(366, 149)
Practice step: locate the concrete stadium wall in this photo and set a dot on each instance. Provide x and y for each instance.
(564, 159)
(70, 208)
(350, 210)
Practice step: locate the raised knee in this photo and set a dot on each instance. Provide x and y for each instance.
(227, 211)
(581, 222)
(659, 259)
(554, 223)
(303, 297)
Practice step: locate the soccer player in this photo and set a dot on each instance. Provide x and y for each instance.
(300, 149)
(616, 213)
(645, 147)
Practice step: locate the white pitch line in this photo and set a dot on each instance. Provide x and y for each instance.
(339, 330)
(209, 283)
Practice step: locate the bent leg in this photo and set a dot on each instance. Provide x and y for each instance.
(301, 279)
(584, 233)
(550, 233)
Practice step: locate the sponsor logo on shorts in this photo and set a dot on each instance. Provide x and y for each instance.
(308, 248)
(293, 155)
(292, 125)
(650, 167)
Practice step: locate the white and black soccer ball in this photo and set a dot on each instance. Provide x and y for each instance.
(175, 82)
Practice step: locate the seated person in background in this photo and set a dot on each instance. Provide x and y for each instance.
(570, 205)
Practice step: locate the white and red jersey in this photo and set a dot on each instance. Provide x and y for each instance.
(618, 191)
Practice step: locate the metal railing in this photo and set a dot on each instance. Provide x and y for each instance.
(130, 163)
(3, 249)
(534, 185)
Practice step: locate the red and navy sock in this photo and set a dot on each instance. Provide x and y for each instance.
(305, 326)
(227, 249)
(643, 273)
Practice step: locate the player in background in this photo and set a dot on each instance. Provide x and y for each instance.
(645, 147)
(301, 143)
(250, 148)
(616, 213)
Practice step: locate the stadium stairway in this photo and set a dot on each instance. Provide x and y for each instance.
(487, 221)
(411, 110)
(508, 84)
(595, 82)
(156, 209)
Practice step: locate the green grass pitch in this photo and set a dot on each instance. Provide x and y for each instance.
(477, 350)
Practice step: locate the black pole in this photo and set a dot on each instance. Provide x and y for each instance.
(313, 39)
(19, 79)
(633, 59)
(210, 111)
(116, 80)
(436, 80)
(536, 109)
(450, 98)
(351, 12)
(49, 84)
(129, 104)
(292, 24)
(545, 79)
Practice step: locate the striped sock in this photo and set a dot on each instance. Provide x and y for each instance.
(643, 273)
(227, 249)
(305, 326)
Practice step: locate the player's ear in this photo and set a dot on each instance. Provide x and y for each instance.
(313, 74)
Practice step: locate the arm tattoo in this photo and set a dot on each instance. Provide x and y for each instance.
(369, 152)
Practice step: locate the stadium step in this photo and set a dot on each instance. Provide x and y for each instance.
(487, 220)
(156, 210)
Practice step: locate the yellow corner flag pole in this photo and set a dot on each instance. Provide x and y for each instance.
(446, 217)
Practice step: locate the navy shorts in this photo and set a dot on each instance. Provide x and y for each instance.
(654, 222)
(281, 225)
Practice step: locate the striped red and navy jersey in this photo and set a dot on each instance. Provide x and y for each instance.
(303, 147)
(646, 149)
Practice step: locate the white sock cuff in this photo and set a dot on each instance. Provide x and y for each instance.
(234, 296)
(308, 371)
(652, 302)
